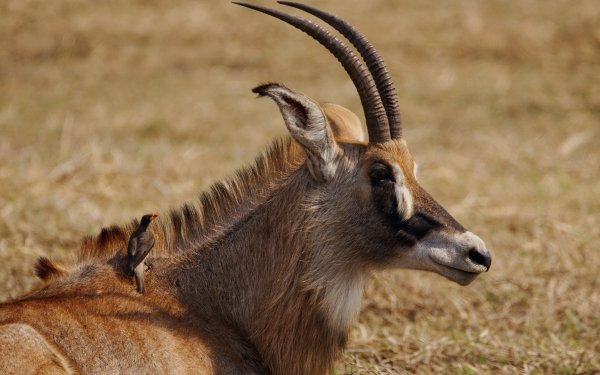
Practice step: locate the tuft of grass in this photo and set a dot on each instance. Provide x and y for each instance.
(110, 109)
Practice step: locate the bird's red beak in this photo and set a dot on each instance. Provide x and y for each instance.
(154, 216)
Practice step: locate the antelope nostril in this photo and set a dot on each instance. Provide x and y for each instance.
(477, 257)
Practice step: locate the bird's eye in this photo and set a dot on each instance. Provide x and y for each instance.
(380, 173)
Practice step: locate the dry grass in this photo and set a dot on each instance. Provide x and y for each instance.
(111, 109)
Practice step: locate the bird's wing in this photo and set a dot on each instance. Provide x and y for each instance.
(142, 252)
(132, 247)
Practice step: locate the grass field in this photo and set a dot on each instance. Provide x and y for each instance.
(111, 109)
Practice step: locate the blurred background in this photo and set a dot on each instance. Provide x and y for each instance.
(110, 109)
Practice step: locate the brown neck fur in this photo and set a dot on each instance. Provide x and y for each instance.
(261, 279)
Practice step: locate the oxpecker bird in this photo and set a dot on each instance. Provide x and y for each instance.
(140, 244)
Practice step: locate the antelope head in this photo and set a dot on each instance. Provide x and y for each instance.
(369, 200)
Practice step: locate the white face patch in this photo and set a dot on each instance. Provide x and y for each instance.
(403, 195)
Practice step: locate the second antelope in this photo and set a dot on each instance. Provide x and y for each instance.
(274, 285)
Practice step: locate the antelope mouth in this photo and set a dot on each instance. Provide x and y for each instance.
(458, 275)
(459, 258)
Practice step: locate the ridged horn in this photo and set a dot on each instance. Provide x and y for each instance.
(376, 118)
(372, 58)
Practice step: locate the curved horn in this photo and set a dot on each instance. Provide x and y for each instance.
(373, 59)
(377, 123)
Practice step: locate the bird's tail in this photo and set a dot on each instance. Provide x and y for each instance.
(139, 281)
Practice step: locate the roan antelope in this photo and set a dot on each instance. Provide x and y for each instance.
(267, 283)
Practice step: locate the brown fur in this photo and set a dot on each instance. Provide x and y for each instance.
(46, 269)
(92, 322)
(23, 344)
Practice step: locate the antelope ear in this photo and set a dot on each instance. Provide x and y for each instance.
(307, 125)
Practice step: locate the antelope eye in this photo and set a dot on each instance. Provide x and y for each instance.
(380, 173)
